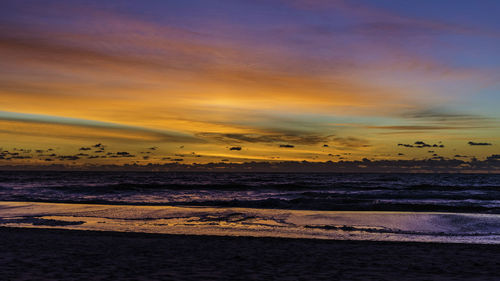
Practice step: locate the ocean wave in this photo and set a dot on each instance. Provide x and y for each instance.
(370, 192)
(294, 204)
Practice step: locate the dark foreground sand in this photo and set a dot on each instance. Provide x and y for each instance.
(38, 254)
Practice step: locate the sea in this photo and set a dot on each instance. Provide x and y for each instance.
(450, 208)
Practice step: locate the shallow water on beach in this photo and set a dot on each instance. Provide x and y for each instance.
(343, 225)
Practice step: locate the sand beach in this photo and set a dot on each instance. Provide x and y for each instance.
(56, 254)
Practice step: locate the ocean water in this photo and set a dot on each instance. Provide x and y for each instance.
(389, 207)
(339, 192)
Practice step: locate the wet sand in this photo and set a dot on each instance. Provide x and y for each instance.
(50, 254)
(304, 224)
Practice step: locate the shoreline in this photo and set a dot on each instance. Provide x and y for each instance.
(47, 254)
(334, 225)
(262, 204)
(131, 234)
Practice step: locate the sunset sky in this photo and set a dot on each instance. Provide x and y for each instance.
(256, 80)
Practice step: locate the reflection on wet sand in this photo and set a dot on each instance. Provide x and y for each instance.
(383, 226)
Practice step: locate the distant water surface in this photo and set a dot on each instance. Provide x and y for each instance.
(469, 193)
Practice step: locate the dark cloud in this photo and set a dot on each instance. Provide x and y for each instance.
(124, 154)
(436, 164)
(287, 145)
(441, 158)
(494, 157)
(325, 145)
(235, 148)
(84, 148)
(421, 144)
(479, 143)
(350, 142)
(22, 150)
(21, 157)
(68, 157)
(265, 138)
(98, 145)
(405, 145)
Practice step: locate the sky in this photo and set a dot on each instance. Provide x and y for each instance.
(103, 82)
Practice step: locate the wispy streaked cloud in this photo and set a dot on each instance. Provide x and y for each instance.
(75, 122)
